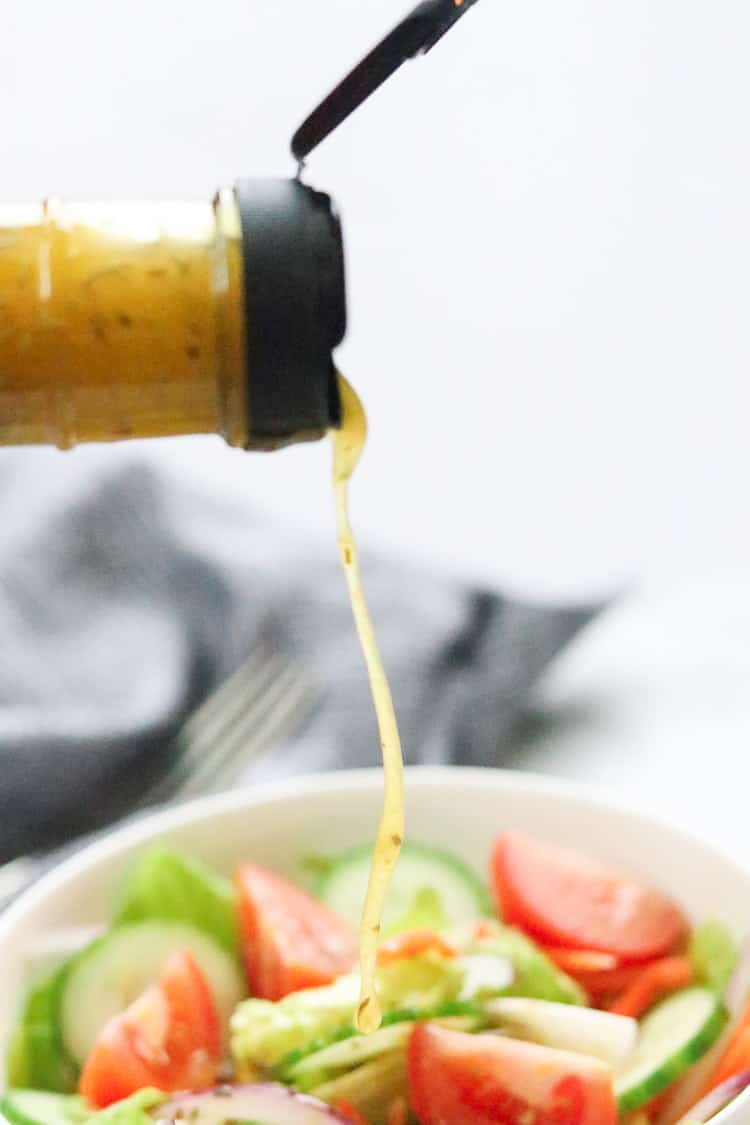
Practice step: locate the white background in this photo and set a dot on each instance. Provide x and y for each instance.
(548, 230)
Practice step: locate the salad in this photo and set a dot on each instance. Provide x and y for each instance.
(558, 993)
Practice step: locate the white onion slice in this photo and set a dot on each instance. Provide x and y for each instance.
(586, 1031)
(717, 1099)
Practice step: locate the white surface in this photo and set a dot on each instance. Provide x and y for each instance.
(653, 701)
(461, 810)
(549, 253)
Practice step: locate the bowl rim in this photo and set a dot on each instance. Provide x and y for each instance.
(129, 833)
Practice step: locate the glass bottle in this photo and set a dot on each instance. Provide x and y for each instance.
(136, 320)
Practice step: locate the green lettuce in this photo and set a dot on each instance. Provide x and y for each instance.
(535, 975)
(263, 1031)
(167, 885)
(425, 913)
(503, 964)
(37, 1058)
(713, 955)
(57, 1109)
(131, 1111)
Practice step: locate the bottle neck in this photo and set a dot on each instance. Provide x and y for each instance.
(140, 320)
(121, 321)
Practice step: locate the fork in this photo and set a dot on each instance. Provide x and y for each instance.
(266, 700)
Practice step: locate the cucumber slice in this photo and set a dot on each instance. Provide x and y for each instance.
(672, 1037)
(113, 972)
(345, 1051)
(164, 884)
(586, 1031)
(30, 1107)
(371, 1088)
(432, 885)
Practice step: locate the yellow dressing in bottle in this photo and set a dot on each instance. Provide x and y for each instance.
(348, 444)
(121, 320)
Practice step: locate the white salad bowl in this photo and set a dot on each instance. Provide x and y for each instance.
(459, 809)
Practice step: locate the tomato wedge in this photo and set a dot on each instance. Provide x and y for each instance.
(563, 898)
(290, 940)
(169, 1039)
(461, 1079)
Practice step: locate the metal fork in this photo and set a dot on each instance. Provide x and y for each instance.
(266, 700)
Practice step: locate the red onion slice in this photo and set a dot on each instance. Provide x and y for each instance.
(738, 990)
(273, 1105)
(717, 1099)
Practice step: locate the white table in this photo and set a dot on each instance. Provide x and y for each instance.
(653, 701)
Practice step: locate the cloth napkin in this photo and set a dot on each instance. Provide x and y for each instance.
(127, 597)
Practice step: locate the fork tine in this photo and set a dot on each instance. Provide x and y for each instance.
(258, 690)
(266, 698)
(299, 703)
(200, 735)
(262, 715)
(215, 701)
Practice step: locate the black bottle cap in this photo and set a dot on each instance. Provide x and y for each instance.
(295, 309)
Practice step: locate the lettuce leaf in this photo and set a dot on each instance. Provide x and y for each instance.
(502, 963)
(167, 885)
(37, 1058)
(535, 975)
(264, 1031)
(713, 955)
(57, 1109)
(131, 1111)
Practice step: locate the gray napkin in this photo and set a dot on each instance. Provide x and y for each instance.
(126, 599)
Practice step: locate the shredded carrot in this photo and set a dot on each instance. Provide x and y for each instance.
(608, 981)
(664, 975)
(398, 1113)
(413, 944)
(653, 1108)
(347, 1110)
(736, 1059)
(483, 929)
(736, 1055)
(575, 961)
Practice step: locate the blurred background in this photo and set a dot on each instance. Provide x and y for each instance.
(548, 242)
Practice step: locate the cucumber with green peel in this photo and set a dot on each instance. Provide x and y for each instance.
(32, 1107)
(429, 889)
(348, 1048)
(371, 1088)
(165, 884)
(713, 955)
(113, 972)
(674, 1035)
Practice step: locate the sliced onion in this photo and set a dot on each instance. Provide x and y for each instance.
(586, 1031)
(684, 1093)
(717, 1099)
(738, 989)
(273, 1105)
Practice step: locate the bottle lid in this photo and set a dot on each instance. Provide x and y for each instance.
(295, 308)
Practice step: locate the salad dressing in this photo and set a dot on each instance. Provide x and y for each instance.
(348, 444)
